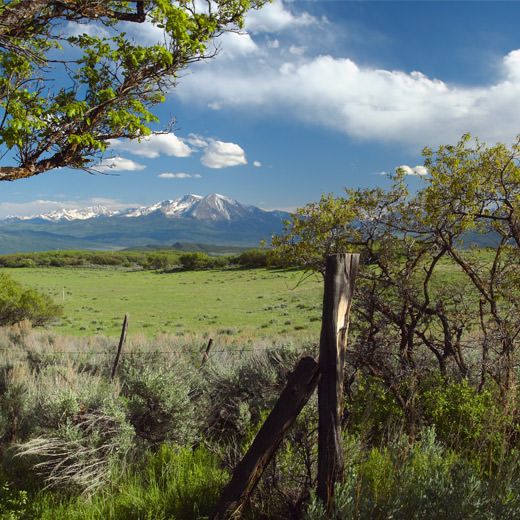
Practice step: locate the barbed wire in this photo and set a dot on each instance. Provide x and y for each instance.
(151, 352)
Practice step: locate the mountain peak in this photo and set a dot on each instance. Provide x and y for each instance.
(74, 214)
(213, 219)
(213, 207)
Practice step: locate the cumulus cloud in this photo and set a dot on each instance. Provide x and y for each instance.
(197, 141)
(118, 164)
(236, 45)
(360, 101)
(416, 170)
(179, 176)
(219, 154)
(275, 17)
(154, 145)
(257, 164)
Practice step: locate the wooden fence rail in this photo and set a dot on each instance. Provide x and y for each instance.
(300, 386)
(340, 277)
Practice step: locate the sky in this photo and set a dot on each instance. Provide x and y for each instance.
(311, 97)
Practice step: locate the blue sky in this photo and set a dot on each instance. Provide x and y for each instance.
(312, 97)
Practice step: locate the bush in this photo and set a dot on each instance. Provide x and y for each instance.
(253, 258)
(18, 303)
(158, 404)
(419, 481)
(196, 261)
(13, 502)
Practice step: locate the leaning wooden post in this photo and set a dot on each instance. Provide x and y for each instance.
(340, 277)
(301, 384)
(120, 346)
(206, 354)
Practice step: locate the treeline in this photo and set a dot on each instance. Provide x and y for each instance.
(167, 259)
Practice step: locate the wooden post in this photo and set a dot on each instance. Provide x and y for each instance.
(206, 354)
(120, 346)
(300, 386)
(340, 277)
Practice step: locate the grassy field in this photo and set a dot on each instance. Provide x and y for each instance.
(253, 303)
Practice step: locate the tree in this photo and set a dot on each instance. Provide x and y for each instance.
(408, 316)
(72, 79)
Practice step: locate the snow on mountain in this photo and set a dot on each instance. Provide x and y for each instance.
(169, 208)
(213, 207)
(74, 214)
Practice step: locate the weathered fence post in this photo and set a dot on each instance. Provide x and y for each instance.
(120, 346)
(340, 277)
(206, 354)
(301, 384)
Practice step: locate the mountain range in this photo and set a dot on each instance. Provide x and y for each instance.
(214, 219)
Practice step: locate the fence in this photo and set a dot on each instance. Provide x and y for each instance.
(327, 375)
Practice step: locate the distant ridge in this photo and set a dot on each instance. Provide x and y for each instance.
(213, 219)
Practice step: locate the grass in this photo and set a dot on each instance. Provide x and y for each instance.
(253, 303)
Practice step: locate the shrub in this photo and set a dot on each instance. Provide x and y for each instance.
(195, 261)
(158, 404)
(419, 481)
(18, 303)
(253, 258)
(13, 502)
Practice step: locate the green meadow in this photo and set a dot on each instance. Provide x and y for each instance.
(245, 302)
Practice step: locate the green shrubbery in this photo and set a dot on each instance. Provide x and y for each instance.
(155, 260)
(13, 502)
(18, 303)
(420, 481)
(162, 439)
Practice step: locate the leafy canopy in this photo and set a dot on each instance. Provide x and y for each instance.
(71, 78)
(426, 290)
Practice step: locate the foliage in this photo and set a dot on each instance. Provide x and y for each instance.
(13, 502)
(18, 303)
(162, 439)
(175, 482)
(198, 260)
(253, 258)
(166, 259)
(72, 79)
(409, 482)
(236, 394)
(408, 317)
(158, 403)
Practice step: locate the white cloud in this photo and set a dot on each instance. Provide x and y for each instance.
(154, 145)
(117, 164)
(416, 170)
(219, 154)
(275, 17)
(257, 164)
(297, 50)
(197, 141)
(179, 176)
(236, 45)
(91, 29)
(363, 102)
(145, 33)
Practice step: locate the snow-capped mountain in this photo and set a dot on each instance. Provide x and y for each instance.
(73, 214)
(213, 219)
(213, 207)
